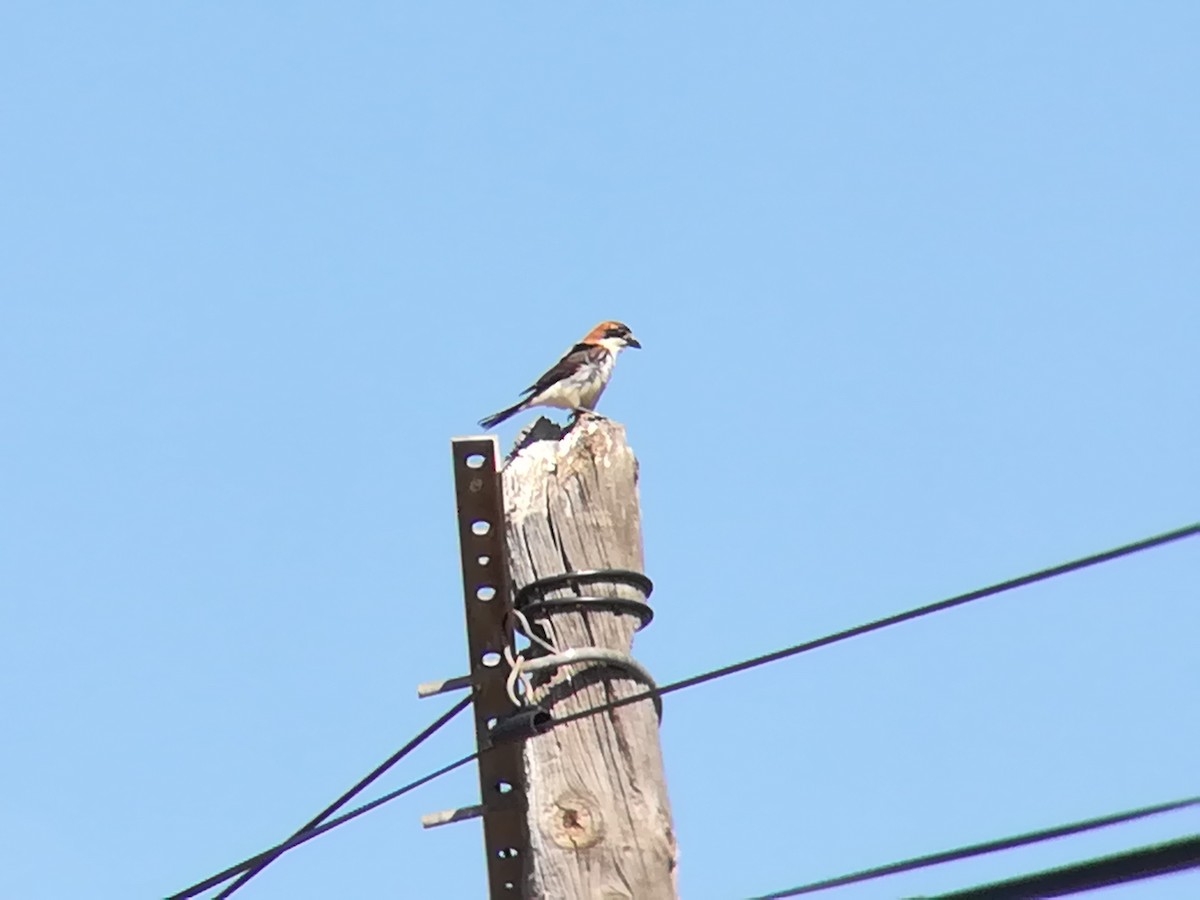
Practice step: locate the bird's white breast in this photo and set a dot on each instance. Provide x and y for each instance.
(582, 388)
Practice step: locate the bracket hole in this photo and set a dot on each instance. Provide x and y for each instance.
(481, 527)
(475, 461)
(483, 560)
(491, 659)
(485, 592)
(491, 723)
(504, 787)
(508, 853)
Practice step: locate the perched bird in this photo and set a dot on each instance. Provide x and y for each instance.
(577, 380)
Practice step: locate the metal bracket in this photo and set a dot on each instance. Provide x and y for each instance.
(487, 593)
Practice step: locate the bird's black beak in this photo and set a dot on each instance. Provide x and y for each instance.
(631, 341)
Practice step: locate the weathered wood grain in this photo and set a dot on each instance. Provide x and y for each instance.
(599, 819)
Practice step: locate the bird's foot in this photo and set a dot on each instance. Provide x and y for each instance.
(578, 414)
(580, 411)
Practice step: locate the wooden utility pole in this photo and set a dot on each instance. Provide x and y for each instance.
(599, 822)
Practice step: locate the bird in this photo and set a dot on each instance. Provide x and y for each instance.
(577, 380)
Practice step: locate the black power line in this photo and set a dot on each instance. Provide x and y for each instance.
(999, 588)
(1033, 577)
(256, 864)
(356, 790)
(1020, 840)
(1132, 865)
(299, 839)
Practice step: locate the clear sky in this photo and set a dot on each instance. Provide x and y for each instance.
(918, 290)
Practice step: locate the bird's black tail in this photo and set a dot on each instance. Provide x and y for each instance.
(502, 415)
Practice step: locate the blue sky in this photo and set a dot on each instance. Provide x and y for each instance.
(917, 286)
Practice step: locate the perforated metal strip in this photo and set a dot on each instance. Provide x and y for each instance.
(488, 597)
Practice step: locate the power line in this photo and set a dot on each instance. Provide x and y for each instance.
(280, 849)
(356, 790)
(1132, 865)
(1041, 575)
(916, 613)
(296, 841)
(1020, 840)
(313, 827)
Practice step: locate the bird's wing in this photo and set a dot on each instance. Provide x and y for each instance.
(579, 355)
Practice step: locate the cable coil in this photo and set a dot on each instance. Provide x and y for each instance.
(532, 601)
